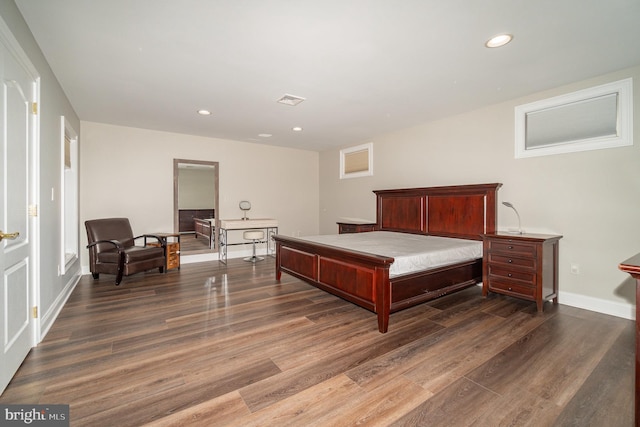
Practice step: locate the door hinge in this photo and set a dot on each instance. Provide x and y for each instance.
(35, 312)
(34, 108)
(33, 210)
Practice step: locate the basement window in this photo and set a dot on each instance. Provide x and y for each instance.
(590, 119)
(356, 161)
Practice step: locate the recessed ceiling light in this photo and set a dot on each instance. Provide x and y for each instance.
(204, 112)
(499, 40)
(296, 129)
(291, 99)
(265, 135)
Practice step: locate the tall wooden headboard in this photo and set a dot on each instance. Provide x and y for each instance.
(462, 211)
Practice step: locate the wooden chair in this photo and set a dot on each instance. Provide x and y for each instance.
(112, 249)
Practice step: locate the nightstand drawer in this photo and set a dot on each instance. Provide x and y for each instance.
(172, 253)
(511, 273)
(508, 260)
(173, 262)
(512, 288)
(507, 247)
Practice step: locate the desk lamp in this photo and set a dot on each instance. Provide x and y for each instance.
(509, 205)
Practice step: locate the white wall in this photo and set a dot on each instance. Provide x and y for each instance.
(591, 198)
(129, 172)
(53, 288)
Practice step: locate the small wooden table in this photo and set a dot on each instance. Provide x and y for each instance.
(632, 266)
(172, 249)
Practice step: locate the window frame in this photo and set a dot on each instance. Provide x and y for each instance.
(344, 164)
(624, 120)
(69, 196)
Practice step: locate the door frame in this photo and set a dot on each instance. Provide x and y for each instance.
(215, 166)
(13, 46)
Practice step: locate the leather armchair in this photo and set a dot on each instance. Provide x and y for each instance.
(112, 249)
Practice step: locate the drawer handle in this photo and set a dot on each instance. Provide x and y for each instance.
(510, 261)
(510, 289)
(510, 275)
(510, 247)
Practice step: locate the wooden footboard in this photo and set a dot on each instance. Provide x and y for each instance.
(358, 277)
(412, 289)
(364, 280)
(203, 228)
(459, 211)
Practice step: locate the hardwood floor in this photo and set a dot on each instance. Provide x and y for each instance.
(217, 345)
(191, 243)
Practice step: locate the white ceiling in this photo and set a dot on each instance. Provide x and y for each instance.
(365, 67)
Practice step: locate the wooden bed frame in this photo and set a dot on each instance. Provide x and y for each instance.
(461, 211)
(204, 228)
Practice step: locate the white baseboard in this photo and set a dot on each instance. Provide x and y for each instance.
(52, 314)
(188, 259)
(626, 311)
(617, 309)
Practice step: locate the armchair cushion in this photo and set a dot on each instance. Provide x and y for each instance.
(131, 254)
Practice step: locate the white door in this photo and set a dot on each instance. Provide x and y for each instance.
(17, 94)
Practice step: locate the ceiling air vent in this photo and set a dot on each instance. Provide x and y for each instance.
(290, 99)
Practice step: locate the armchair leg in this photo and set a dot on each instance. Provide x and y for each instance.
(95, 275)
(120, 268)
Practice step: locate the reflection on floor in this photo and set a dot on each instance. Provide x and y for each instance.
(189, 242)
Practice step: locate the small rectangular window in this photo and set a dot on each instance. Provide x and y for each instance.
(590, 119)
(356, 161)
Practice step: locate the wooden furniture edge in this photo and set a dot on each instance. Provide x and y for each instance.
(632, 267)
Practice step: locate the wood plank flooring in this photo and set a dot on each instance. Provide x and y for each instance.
(217, 345)
(191, 244)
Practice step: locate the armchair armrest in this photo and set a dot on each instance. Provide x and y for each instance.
(121, 255)
(115, 243)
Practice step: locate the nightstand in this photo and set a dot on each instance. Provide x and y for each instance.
(355, 227)
(521, 265)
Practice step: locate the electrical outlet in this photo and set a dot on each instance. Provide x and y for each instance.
(575, 269)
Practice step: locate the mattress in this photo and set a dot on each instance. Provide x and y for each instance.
(411, 252)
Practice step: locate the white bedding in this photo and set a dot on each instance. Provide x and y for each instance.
(411, 252)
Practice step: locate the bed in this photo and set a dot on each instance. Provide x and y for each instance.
(205, 227)
(186, 218)
(363, 278)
